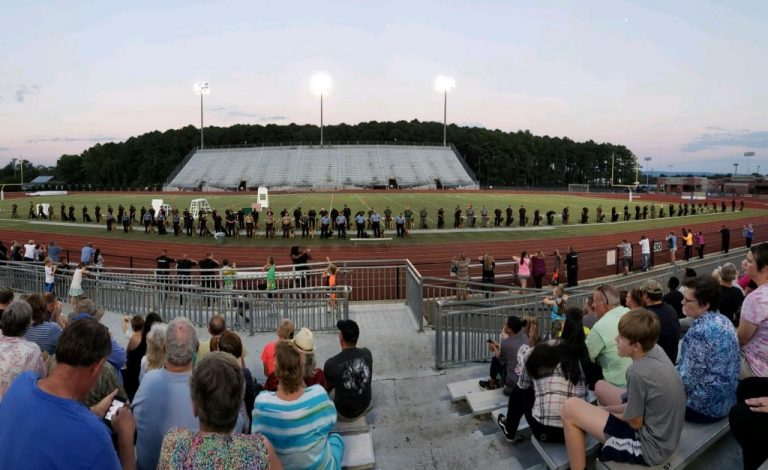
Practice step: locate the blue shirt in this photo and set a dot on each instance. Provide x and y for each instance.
(375, 217)
(76, 438)
(86, 255)
(709, 365)
(117, 358)
(53, 252)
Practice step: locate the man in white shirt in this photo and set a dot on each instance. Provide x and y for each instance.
(29, 251)
(645, 250)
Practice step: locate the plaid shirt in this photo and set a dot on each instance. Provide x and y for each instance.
(551, 392)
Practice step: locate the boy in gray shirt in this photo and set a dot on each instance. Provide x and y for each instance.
(642, 425)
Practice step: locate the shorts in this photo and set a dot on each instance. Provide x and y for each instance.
(622, 443)
(626, 261)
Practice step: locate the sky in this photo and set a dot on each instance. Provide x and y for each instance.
(682, 82)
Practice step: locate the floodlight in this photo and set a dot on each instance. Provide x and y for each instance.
(444, 84)
(321, 84)
(202, 89)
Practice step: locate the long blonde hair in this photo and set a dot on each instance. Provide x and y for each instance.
(156, 346)
(488, 262)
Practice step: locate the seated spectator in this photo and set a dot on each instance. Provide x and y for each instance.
(216, 326)
(669, 335)
(284, 332)
(297, 420)
(155, 357)
(633, 299)
(753, 324)
(85, 308)
(229, 342)
(674, 297)
(749, 420)
(601, 340)
(305, 342)
(731, 296)
(16, 353)
(553, 372)
(51, 406)
(6, 297)
(556, 303)
(42, 332)
(349, 373)
(216, 387)
(162, 400)
(54, 308)
(709, 355)
(136, 350)
(504, 360)
(645, 429)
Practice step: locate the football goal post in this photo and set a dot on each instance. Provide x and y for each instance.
(578, 188)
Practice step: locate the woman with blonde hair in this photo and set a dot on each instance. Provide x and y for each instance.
(155, 358)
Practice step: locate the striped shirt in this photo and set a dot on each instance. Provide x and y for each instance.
(45, 334)
(297, 429)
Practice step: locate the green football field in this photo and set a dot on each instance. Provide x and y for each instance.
(397, 201)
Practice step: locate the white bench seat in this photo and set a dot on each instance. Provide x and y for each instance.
(459, 390)
(695, 439)
(358, 451)
(555, 454)
(482, 403)
(360, 424)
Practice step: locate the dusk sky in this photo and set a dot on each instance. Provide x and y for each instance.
(682, 82)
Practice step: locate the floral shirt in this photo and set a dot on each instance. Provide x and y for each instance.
(709, 365)
(16, 356)
(185, 449)
(755, 311)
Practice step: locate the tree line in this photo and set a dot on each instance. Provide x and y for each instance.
(498, 158)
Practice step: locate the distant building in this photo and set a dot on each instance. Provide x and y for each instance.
(728, 185)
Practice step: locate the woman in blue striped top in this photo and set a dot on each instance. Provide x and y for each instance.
(298, 420)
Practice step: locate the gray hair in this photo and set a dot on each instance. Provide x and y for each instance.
(217, 388)
(156, 346)
(180, 342)
(16, 318)
(86, 305)
(728, 272)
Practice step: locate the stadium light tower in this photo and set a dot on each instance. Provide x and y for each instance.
(321, 85)
(647, 159)
(443, 85)
(201, 88)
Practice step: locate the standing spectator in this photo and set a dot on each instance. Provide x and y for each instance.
(50, 272)
(748, 233)
(524, 268)
(645, 251)
(162, 400)
(300, 255)
(688, 239)
(460, 267)
(86, 254)
(709, 354)
(76, 287)
(155, 340)
(725, 237)
(217, 325)
(297, 420)
(164, 266)
(572, 266)
(135, 350)
(229, 342)
(538, 268)
(674, 297)
(54, 251)
(556, 268)
(51, 406)
(17, 354)
(699, 241)
(42, 331)
(672, 246)
(753, 324)
(30, 250)
(208, 270)
(216, 387)
(349, 373)
(489, 275)
(626, 255)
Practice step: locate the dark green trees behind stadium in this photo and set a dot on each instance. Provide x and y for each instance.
(500, 159)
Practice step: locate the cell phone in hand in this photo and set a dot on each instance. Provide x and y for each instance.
(117, 403)
(489, 341)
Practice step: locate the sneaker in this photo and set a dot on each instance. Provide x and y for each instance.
(486, 385)
(501, 422)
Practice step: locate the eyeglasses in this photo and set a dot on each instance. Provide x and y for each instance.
(601, 289)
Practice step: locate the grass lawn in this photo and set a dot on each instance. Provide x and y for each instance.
(397, 201)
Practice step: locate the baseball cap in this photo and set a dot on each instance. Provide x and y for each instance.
(651, 286)
(349, 330)
(304, 340)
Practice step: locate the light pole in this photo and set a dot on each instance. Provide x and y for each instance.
(735, 169)
(443, 85)
(321, 86)
(201, 88)
(647, 159)
(749, 155)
